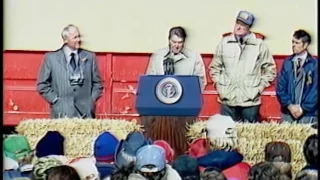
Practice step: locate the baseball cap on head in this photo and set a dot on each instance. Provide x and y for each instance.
(221, 126)
(246, 17)
(169, 152)
(85, 167)
(127, 148)
(186, 166)
(150, 155)
(104, 147)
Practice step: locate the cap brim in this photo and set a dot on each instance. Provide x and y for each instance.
(119, 158)
(239, 19)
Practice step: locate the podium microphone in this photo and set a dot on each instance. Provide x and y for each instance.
(168, 66)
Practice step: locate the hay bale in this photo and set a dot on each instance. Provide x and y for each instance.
(254, 137)
(78, 133)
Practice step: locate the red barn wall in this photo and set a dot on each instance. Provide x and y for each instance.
(119, 72)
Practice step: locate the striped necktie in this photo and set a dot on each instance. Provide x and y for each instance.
(298, 66)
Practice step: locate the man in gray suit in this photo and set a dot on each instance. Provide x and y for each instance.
(69, 79)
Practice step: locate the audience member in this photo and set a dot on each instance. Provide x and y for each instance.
(169, 152)
(123, 173)
(212, 174)
(310, 152)
(63, 172)
(151, 164)
(187, 167)
(42, 167)
(223, 141)
(264, 171)
(279, 153)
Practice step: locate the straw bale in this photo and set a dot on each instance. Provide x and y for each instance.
(253, 138)
(78, 133)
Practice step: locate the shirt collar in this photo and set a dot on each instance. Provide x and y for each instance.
(67, 51)
(303, 56)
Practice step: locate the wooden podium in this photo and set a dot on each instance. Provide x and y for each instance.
(166, 104)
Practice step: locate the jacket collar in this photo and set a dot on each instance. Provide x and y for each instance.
(82, 55)
(181, 55)
(308, 58)
(248, 39)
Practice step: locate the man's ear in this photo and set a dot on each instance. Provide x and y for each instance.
(305, 45)
(65, 41)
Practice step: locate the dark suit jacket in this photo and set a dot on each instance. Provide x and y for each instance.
(53, 82)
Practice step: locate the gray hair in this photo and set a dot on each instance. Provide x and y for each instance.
(65, 31)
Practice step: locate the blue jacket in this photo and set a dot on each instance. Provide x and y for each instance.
(285, 87)
(220, 159)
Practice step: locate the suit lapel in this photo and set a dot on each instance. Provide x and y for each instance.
(82, 58)
(62, 59)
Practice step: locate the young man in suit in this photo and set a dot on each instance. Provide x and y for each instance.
(69, 79)
(297, 84)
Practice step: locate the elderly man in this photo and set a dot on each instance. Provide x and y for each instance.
(241, 69)
(175, 59)
(297, 84)
(69, 79)
(184, 61)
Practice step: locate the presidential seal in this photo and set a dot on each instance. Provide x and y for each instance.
(168, 90)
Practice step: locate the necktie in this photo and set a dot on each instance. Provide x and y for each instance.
(241, 40)
(168, 66)
(298, 66)
(73, 61)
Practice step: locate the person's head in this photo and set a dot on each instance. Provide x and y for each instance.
(244, 21)
(123, 173)
(63, 172)
(43, 165)
(187, 167)
(177, 37)
(71, 37)
(86, 168)
(264, 171)
(151, 162)
(169, 152)
(221, 133)
(212, 174)
(307, 175)
(277, 151)
(300, 41)
(310, 149)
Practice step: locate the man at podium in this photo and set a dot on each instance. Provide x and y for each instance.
(174, 59)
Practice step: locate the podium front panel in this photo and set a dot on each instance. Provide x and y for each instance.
(160, 95)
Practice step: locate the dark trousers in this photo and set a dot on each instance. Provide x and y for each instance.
(237, 113)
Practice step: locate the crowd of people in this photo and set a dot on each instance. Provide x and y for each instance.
(213, 157)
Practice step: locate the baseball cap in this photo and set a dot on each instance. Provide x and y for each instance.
(220, 126)
(104, 147)
(169, 152)
(246, 17)
(150, 155)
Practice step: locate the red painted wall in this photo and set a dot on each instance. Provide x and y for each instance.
(119, 72)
